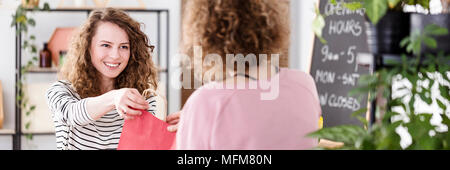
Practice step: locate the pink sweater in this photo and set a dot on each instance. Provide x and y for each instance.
(234, 119)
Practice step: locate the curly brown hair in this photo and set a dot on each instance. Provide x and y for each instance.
(140, 73)
(236, 27)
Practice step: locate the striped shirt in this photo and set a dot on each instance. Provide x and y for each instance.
(75, 128)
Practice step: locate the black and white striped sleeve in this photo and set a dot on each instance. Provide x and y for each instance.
(152, 103)
(66, 107)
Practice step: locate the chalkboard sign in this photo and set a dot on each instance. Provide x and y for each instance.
(333, 65)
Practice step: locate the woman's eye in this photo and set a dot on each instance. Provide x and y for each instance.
(105, 45)
(124, 47)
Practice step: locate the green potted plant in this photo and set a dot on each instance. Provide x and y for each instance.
(423, 74)
(420, 21)
(424, 64)
(22, 21)
(389, 24)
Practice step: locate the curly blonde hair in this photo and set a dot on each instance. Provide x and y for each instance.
(140, 72)
(236, 27)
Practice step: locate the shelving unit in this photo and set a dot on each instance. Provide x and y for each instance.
(18, 132)
(36, 69)
(7, 131)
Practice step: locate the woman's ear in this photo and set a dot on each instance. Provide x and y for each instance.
(152, 47)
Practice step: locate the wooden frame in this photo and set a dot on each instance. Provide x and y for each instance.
(323, 142)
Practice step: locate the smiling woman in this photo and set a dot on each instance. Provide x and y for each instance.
(98, 87)
(101, 38)
(109, 51)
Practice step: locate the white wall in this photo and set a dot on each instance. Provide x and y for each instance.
(7, 71)
(302, 36)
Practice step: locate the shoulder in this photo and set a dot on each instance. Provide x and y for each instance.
(212, 91)
(299, 78)
(204, 105)
(62, 86)
(210, 94)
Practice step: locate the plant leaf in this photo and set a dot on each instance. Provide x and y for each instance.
(424, 98)
(318, 25)
(445, 119)
(357, 91)
(353, 6)
(21, 18)
(405, 41)
(29, 136)
(444, 90)
(392, 62)
(441, 105)
(46, 7)
(32, 108)
(430, 42)
(375, 9)
(31, 22)
(25, 44)
(27, 125)
(333, 2)
(359, 112)
(348, 134)
(33, 49)
(436, 30)
(393, 3)
(417, 45)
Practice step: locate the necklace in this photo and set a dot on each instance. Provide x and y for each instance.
(245, 75)
(253, 78)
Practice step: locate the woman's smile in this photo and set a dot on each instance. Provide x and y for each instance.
(112, 65)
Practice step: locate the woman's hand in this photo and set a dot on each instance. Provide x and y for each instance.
(128, 102)
(173, 120)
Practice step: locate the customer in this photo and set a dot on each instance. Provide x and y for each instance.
(109, 66)
(215, 117)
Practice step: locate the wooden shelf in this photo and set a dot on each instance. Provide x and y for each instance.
(40, 133)
(33, 131)
(7, 131)
(94, 8)
(36, 69)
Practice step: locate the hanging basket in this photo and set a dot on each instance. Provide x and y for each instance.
(385, 37)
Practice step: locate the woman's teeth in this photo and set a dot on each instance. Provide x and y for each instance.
(112, 65)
